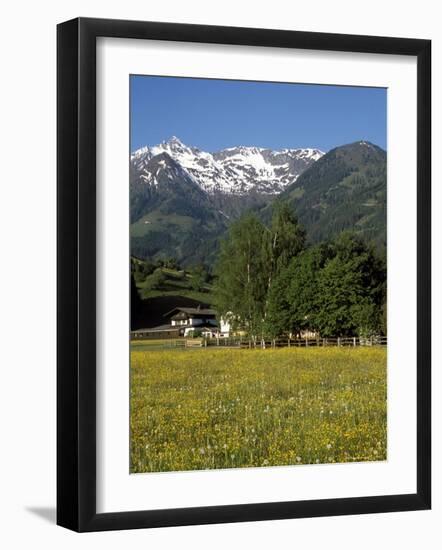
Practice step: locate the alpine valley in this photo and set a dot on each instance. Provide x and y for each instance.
(182, 199)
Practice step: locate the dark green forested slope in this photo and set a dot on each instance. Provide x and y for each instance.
(344, 190)
(173, 218)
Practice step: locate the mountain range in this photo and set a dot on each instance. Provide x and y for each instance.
(182, 199)
(235, 171)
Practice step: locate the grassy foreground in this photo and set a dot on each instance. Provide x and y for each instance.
(212, 408)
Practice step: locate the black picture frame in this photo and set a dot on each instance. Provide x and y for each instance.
(76, 274)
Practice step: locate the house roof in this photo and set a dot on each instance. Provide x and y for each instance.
(175, 328)
(191, 311)
(159, 328)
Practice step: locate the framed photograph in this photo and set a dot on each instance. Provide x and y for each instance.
(243, 274)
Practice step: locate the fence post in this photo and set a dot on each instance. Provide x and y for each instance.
(288, 342)
(354, 341)
(306, 343)
(339, 342)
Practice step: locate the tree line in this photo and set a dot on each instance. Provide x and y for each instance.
(150, 275)
(269, 283)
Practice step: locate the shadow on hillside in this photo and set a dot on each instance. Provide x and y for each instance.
(150, 312)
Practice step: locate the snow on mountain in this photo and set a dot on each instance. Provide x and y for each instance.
(236, 170)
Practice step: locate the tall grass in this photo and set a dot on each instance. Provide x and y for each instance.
(193, 410)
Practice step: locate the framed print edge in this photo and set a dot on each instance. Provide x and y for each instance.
(424, 273)
(76, 275)
(67, 276)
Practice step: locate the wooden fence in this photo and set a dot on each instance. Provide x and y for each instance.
(244, 343)
(307, 342)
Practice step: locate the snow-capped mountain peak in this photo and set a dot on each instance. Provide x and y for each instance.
(236, 170)
(174, 140)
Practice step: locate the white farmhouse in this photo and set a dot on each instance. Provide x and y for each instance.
(190, 319)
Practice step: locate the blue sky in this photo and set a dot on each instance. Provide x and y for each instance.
(213, 114)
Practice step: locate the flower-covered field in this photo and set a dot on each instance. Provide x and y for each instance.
(213, 408)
